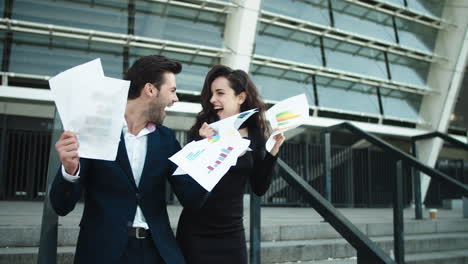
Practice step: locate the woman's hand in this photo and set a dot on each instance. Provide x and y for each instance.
(206, 131)
(279, 139)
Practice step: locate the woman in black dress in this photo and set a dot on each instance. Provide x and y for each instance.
(214, 234)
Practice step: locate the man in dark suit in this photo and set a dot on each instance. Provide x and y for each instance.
(125, 218)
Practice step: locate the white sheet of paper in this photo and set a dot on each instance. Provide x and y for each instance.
(66, 86)
(286, 115)
(92, 106)
(208, 160)
(179, 171)
(235, 121)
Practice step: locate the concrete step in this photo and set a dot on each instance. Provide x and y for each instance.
(441, 257)
(28, 255)
(320, 249)
(28, 236)
(325, 230)
(65, 255)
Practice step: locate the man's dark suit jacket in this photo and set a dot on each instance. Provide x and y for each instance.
(111, 197)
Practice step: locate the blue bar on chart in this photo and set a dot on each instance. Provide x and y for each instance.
(192, 156)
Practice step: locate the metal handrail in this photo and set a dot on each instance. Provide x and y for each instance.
(367, 251)
(399, 155)
(443, 136)
(416, 175)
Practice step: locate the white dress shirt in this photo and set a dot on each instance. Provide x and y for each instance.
(136, 151)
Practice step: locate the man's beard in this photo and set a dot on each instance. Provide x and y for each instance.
(156, 113)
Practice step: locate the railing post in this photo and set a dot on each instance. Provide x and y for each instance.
(398, 228)
(254, 228)
(3, 150)
(327, 165)
(48, 241)
(306, 162)
(369, 178)
(416, 185)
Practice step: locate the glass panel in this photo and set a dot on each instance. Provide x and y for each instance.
(194, 68)
(459, 117)
(103, 15)
(429, 7)
(416, 36)
(363, 21)
(309, 10)
(37, 54)
(2, 6)
(400, 104)
(344, 95)
(287, 44)
(408, 70)
(175, 23)
(276, 84)
(356, 59)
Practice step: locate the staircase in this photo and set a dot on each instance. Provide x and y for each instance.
(289, 235)
(426, 242)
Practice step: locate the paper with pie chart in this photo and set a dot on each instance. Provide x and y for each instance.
(208, 160)
(286, 115)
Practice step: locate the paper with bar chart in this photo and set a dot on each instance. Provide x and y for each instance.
(233, 122)
(286, 115)
(208, 160)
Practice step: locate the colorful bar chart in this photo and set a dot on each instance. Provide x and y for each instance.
(221, 157)
(193, 156)
(284, 117)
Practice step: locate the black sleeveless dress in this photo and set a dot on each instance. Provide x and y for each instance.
(215, 234)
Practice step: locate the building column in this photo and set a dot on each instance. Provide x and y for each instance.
(239, 33)
(445, 77)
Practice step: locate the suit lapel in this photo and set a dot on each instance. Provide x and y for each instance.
(152, 147)
(123, 162)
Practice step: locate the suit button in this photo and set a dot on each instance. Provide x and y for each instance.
(138, 198)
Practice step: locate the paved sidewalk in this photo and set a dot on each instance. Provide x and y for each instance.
(25, 213)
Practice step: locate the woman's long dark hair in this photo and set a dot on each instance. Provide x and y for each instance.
(240, 82)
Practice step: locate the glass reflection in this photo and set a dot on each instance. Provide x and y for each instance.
(287, 44)
(356, 59)
(363, 21)
(33, 53)
(102, 15)
(340, 94)
(397, 104)
(407, 70)
(276, 84)
(176, 23)
(309, 10)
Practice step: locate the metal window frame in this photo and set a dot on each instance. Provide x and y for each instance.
(205, 5)
(125, 40)
(341, 35)
(338, 74)
(401, 12)
(380, 116)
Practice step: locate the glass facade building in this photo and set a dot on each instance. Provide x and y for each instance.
(368, 61)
